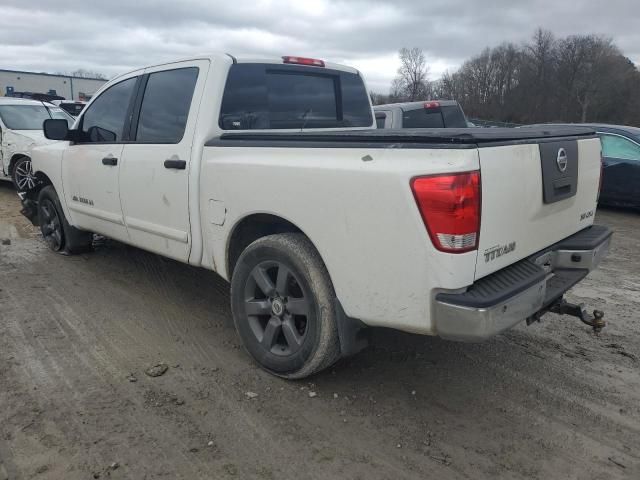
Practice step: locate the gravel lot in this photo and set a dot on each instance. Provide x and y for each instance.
(550, 401)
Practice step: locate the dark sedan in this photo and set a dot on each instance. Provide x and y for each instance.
(621, 164)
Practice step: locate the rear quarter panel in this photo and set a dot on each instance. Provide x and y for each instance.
(360, 215)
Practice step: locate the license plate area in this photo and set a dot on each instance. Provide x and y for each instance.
(559, 164)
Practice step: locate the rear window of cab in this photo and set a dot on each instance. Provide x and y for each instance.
(268, 96)
(445, 116)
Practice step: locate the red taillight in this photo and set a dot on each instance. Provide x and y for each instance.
(428, 105)
(303, 61)
(450, 208)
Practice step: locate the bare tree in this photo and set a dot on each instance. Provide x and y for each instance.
(539, 65)
(594, 72)
(574, 79)
(378, 98)
(397, 92)
(449, 87)
(412, 82)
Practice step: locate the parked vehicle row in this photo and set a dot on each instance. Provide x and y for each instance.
(72, 107)
(272, 174)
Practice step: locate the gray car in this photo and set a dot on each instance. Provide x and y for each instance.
(427, 114)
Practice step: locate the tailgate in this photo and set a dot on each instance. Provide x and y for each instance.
(534, 195)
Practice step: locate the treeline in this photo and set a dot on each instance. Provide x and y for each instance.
(580, 78)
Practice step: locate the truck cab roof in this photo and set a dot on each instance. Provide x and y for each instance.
(217, 56)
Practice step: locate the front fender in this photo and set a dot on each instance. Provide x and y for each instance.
(46, 162)
(16, 145)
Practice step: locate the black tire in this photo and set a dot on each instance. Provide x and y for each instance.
(301, 338)
(56, 231)
(22, 175)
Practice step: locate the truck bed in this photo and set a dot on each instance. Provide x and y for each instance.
(524, 209)
(351, 192)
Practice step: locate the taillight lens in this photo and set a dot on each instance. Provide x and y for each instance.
(314, 62)
(450, 208)
(429, 105)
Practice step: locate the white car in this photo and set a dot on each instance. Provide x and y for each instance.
(20, 131)
(271, 173)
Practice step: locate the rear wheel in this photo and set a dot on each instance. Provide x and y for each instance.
(284, 306)
(56, 231)
(22, 175)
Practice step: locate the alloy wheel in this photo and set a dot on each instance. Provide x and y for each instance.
(23, 176)
(51, 225)
(277, 308)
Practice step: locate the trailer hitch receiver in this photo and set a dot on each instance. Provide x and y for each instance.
(595, 321)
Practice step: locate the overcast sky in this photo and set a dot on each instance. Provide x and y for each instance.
(113, 36)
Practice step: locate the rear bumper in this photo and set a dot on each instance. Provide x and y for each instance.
(513, 294)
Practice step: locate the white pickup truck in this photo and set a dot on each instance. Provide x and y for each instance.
(271, 173)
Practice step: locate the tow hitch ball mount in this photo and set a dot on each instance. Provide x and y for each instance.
(562, 307)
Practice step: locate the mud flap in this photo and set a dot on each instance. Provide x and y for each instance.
(29, 208)
(351, 332)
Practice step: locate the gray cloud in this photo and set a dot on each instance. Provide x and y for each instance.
(116, 36)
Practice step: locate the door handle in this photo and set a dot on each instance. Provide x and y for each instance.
(175, 164)
(110, 161)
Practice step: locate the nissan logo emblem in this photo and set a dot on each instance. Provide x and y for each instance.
(562, 160)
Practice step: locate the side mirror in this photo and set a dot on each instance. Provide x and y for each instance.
(56, 129)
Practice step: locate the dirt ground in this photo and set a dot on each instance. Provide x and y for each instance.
(550, 401)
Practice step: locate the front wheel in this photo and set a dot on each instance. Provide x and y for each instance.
(22, 175)
(284, 306)
(56, 231)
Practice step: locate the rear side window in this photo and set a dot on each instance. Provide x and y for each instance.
(453, 117)
(422, 118)
(614, 146)
(105, 118)
(262, 96)
(165, 105)
(380, 119)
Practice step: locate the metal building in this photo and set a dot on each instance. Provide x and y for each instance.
(69, 87)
